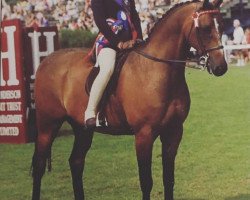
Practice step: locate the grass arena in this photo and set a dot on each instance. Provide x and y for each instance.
(213, 161)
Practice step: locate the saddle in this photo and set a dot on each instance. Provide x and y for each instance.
(111, 87)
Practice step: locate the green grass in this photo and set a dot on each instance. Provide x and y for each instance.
(213, 161)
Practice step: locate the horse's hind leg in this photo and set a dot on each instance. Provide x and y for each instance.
(170, 143)
(45, 137)
(144, 140)
(82, 144)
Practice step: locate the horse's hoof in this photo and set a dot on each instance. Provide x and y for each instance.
(90, 123)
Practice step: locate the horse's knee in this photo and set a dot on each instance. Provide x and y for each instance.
(170, 154)
(78, 162)
(87, 145)
(75, 162)
(76, 167)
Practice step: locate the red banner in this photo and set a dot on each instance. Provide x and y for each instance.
(12, 85)
(39, 43)
(22, 50)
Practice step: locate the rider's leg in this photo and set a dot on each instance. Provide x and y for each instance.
(106, 61)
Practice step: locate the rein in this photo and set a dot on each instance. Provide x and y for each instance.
(158, 59)
(204, 56)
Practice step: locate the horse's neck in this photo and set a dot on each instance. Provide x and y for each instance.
(167, 40)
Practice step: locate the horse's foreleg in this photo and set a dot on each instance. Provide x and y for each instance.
(170, 143)
(81, 146)
(42, 152)
(144, 144)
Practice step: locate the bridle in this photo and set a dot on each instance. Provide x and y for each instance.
(204, 56)
(195, 17)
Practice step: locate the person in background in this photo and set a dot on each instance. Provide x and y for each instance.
(119, 26)
(246, 52)
(238, 35)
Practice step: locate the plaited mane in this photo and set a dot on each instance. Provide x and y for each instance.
(167, 14)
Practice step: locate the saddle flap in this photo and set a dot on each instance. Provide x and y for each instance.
(120, 60)
(90, 79)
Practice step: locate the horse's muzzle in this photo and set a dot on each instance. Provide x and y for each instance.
(217, 65)
(220, 70)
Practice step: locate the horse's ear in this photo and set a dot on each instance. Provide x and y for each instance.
(205, 3)
(217, 3)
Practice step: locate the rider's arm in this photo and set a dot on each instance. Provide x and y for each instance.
(136, 19)
(100, 20)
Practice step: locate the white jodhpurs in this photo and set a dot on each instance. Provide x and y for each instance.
(106, 61)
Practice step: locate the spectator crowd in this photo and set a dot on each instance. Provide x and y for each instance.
(73, 14)
(239, 37)
(77, 14)
(70, 14)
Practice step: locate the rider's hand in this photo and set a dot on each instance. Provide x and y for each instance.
(126, 45)
(120, 45)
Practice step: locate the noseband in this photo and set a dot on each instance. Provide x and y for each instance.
(203, 61)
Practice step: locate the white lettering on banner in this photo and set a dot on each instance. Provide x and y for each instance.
(11, 119)
(2, 106)
(36, 54)
(13, 106)
(11, 56)
(9, 131)
(10, 94)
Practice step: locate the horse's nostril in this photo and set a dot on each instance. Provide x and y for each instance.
(220, 70)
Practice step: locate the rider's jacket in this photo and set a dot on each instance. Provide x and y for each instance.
(117, 20)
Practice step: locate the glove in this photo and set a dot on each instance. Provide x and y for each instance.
(126, 45)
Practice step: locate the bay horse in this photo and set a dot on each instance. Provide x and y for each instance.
(151, 98)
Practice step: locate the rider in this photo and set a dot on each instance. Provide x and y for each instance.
(119, 26)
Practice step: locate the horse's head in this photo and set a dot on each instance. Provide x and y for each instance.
(205, 36)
